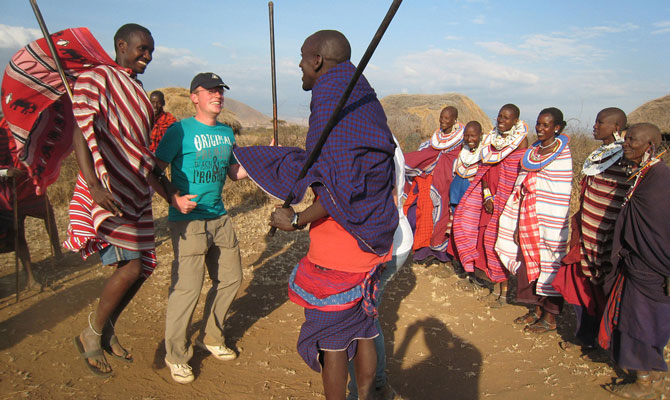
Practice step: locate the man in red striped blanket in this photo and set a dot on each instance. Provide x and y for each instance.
(110, 211)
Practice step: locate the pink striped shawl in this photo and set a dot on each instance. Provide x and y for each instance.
(547, 196)
(86, 238)
(114, 114)
(469, 212)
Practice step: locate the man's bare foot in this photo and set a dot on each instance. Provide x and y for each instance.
(92, 352)
(33, 285)
(112, 346)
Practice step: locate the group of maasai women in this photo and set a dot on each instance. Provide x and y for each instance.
(496, 206)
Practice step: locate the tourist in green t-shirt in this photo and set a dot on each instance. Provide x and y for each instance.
(199, 151)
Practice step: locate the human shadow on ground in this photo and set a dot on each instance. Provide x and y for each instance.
(267, 290)
(399, 287)
(49, 311)
(451, 369)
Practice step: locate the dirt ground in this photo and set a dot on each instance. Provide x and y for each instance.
(441, 343)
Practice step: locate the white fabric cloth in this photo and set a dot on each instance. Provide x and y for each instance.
(403, 237)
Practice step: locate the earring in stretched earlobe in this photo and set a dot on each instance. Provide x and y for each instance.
(617, 136)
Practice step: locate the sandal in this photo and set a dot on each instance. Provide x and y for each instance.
(540, 326)
(113, 340)
(86, 355)
(633, 390)
(466, 286)
(529, 318)
(497, 302)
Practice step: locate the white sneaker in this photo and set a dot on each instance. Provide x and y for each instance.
(220, 352)
(181, 373)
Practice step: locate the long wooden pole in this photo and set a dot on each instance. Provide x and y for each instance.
(275, 122)
(52, 48)
(15, 205)
(343, 100)
(68, 90)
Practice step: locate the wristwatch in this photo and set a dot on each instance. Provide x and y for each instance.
(294, 222)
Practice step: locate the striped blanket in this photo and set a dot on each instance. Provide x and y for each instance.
(538, 206)
(115, 117)
(602, 200)
(88, 238)
(38, 114)
(474, 230)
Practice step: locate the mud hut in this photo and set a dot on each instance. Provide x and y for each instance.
(656, 111)
(413, 118)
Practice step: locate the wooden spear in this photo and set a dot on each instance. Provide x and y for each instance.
(275, 124)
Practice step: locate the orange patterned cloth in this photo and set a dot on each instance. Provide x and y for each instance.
(424, 215)
(162, 122)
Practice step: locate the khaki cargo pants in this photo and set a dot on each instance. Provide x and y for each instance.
(198, 244)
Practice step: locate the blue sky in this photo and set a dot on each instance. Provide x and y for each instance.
(579, 56)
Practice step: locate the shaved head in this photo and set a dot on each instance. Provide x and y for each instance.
(647, 132)
(331, 45)
(615, 115)
(474, 125)
(513, 108)
(451, 110)
(322, 51)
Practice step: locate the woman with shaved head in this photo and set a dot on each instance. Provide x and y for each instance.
(635, 326)
(603, 188)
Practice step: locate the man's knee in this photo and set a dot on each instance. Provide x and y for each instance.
(130, 270)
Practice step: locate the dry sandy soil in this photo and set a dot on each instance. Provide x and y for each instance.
(442, 343)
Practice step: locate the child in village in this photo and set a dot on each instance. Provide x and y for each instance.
(465, 168)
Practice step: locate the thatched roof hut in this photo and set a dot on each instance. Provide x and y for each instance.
(413, 117)
(178, 102)
(655, 111)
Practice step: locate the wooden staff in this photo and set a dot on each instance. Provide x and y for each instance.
(52, 48)
(343, 100)
(275, 124)
(47, 213)
(15, 205)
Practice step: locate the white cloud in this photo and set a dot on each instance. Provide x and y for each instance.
(450, 37)
(480, 20)
(456, 70)
(15, 37)
(177, 57)
(500, 48)
(542, 47)
(663, 27)
(594, 31)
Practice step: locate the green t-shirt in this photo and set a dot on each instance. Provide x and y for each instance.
(199, 156)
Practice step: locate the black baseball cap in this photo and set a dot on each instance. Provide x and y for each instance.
(208, 80)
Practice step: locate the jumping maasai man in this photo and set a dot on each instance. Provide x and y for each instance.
(635, 326)
(352, 220)
(476, 217)
(602, 189)
(533, 228)
(429, 173)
